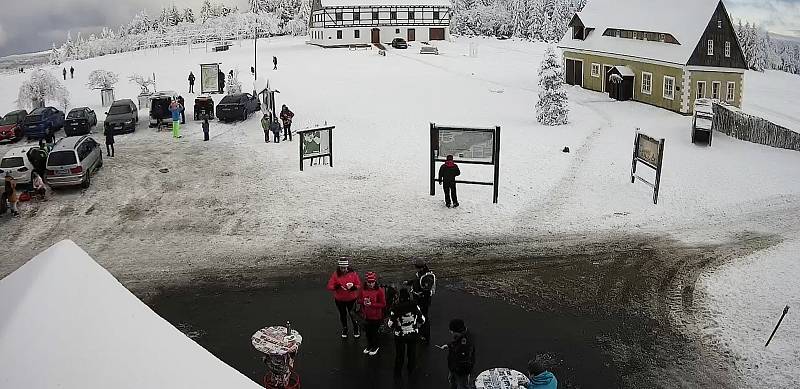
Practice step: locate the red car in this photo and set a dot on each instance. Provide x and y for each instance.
(12, 125)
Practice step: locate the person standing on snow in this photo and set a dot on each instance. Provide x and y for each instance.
(191, 82)
(175, 108)
(539, 378)
(276, 130)
(265, 125)
(423, 287)
(71, 72)
(274, 63)
(205, 129)
(11, 193)
(460, 356)
(109, 142)
(221, 81)
(64, 72)
(345, 285)
(405, 318)
(182, 103)
(447, 177)
(372, 301)
(286, 117)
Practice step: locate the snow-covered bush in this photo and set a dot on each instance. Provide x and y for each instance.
(552, 108)
(233, 86)
(102, 79)
(143, 83)
(41, 87)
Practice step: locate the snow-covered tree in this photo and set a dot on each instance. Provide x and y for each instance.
(233, 85)
(188, 15)
(41, 87)
(552, 108)
(56, 57)
(102, 79)
(143, 83)
(174, 16)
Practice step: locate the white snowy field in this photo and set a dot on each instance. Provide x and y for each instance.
(236, 201)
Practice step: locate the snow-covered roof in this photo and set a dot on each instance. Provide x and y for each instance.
(65, 322)
(686, 20)
(625, 71)
(386, 3)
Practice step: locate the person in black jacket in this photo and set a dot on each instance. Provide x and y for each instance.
(109, 142)
(460, 356)
(182, 103)
(405, 319)
(423, 287)
(447, 176)
(221, 81)
(191, 82)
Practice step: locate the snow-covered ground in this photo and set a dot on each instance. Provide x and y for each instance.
(770, 95)
(236, 202)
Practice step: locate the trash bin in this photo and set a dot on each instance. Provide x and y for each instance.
(107, 97)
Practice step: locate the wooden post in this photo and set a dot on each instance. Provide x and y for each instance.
(635, 150)
(496, 164)
(433, 160)
(785, 310)
(330, 145)
(658, 171)
(300, 143)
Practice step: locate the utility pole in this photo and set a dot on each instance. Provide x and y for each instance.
(255, 56)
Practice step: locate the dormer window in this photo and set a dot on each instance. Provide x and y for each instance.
(578, 33)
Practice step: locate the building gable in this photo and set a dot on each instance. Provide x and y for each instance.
(719, 31)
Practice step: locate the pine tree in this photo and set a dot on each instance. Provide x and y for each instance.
(174, 16)
(552, 108)
(206, 11)
(188, 15)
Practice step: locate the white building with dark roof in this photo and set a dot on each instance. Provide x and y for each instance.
(363, 22)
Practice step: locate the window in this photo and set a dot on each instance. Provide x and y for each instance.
(701, 89)
(727, 49)
(669, 88)
(411, 15)
(396, 30)
(715, 87)
(338, 16)
(635, 35)
(338, 34)
(710, 47)
(393, 15)
(595, 70)
(647, 83)
(662, 37)
(357, 34)
(436, 15)
(357, 16)
(374, 16)
(730, 93)
(719, 23)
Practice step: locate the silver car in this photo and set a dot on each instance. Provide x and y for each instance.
(72, 161)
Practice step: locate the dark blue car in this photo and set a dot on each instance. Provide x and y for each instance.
(43, 122)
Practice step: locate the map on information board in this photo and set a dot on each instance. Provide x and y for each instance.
(466, 145)
(209, 78)
(316, 143)
(648, 149)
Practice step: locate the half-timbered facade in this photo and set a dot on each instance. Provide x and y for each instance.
(349, 22)
(677, 50)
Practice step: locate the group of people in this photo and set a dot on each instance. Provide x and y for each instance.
(405, 311)
(270, 124)
(71, 73)
(10, 197)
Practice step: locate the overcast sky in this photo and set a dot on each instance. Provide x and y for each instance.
(33, 25)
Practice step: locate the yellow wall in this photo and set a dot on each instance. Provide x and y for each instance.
(723, 78)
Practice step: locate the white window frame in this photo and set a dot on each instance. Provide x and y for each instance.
(595, 70)
(710, 47)
(719, 23)
(671, 96)
(719, 90)
(635, 35)
(699, 90)
(648, 91)
(730, 91)
(727, 49)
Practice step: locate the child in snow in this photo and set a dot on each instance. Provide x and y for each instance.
(539, 377)
(175, 109)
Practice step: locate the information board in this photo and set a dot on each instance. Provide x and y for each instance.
(466, 145)
(650, 152)
(209, 78)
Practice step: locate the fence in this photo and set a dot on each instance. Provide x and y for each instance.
(733, 122)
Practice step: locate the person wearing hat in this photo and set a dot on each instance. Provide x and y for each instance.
(286, 116)
(345, 285)
(539, 377)
(447, 178)
(405, 319)
(372, 301)
(423, 287)
(460, 356)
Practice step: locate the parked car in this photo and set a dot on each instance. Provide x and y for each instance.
(121, 117)
(159, 107)
(399, 43)
(237, 107)
(203, 108)
(16, 163)
(12, 126)
(73, 160)
(80, 121)
(42, 122)
(425, 49)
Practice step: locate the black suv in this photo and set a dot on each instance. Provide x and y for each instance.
(122, 117)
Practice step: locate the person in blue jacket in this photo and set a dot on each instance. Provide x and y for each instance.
(539, 377)
(176, 108)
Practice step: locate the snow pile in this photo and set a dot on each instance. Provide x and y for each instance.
(744, 300)
(65, 322)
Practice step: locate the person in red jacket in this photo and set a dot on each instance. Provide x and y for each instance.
(372, 301)
(345, 285)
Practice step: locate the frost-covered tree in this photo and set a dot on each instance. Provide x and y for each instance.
(144, 83)
(55, 56)
(206, 11)
(41, 87)
(188, 15)
(552, 109)
(102, 79)
(174, 16)
(233, 85)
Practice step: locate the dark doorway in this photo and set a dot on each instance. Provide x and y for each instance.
(437, 34)
(412, 35)
(376, 35)
(570, 72)
(620, 83)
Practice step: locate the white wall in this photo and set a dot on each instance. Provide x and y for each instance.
(328, 35)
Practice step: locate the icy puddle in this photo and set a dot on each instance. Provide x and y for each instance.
(222, 321)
